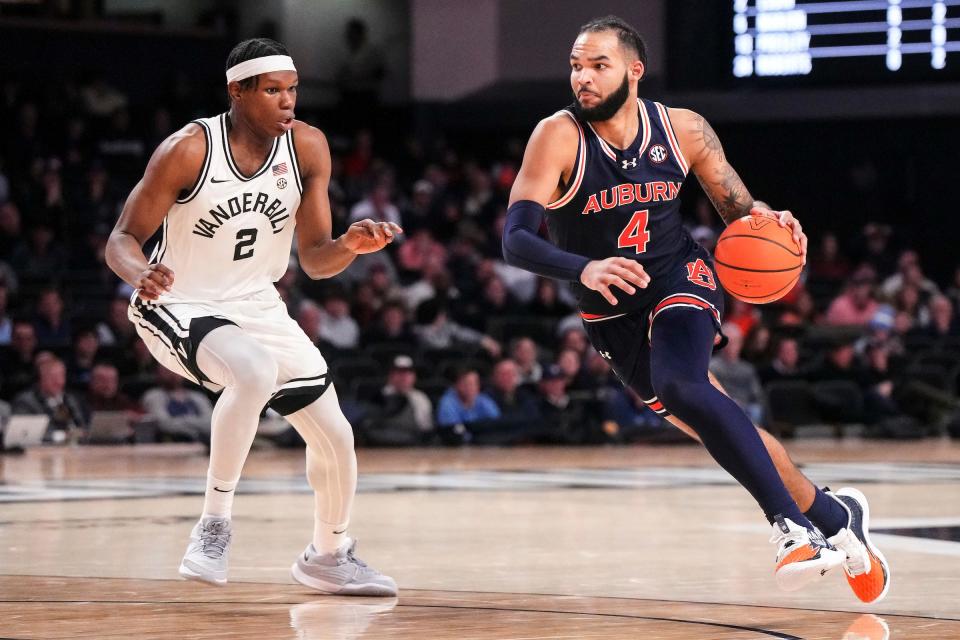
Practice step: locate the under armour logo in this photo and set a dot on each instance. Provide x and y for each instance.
(605, 355)
(629, 164)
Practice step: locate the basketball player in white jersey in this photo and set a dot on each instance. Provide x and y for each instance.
(229, 192)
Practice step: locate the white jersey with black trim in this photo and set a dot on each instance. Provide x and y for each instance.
(231, 235)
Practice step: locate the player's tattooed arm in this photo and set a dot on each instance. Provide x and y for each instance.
(701, 146)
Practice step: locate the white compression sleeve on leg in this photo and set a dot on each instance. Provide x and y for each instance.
(331, 467)
(248, 373)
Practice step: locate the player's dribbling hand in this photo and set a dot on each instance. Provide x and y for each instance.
(786, 219)
(622, 273)
(154, 281)
(367, 236)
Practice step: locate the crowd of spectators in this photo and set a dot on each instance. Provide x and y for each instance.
(435, 339)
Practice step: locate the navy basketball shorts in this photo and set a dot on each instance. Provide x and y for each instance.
(624, 340)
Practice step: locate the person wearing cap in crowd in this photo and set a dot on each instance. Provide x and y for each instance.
(405, 413)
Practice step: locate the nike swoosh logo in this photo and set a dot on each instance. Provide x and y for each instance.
(215, 181)
(222, 490)
(823, 572)
(336, 533)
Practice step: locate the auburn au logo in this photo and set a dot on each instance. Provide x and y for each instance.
(699, 273)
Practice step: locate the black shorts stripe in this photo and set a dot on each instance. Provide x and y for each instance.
(179, 345)
(165, 340)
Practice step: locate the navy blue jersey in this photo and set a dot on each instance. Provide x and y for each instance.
(624, 203)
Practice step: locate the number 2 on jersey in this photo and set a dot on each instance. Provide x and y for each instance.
(245, 238)
(635, 234)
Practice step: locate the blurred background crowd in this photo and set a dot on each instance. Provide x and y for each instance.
(435, 340)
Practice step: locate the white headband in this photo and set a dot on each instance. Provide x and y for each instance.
(256, 66)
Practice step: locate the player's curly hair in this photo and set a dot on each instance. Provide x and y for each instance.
(254, 48)
(626, 34)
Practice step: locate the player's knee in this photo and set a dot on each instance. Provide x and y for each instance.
(675, 391)
(256, 374)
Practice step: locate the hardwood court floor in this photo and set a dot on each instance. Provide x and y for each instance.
(638, 542)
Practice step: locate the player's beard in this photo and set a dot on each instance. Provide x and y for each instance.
(606, 109)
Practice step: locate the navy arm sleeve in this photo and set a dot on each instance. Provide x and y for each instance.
(523, 247)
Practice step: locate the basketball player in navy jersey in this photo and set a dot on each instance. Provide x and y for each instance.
(606, 173)
(229, 191)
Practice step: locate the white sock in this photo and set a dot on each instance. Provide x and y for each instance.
(326, 540)
(218, 499)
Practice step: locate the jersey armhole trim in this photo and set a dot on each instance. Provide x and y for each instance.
(672, 139)
(578, 173)
(292, 147)
(206, 164)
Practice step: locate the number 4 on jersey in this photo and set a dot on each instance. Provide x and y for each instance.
(635, 234)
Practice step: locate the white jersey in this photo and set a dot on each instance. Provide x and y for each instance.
(231, 235)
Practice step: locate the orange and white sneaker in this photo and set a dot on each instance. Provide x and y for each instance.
(868, 572)
(803, 555)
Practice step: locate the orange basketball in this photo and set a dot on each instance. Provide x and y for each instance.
(757, 260)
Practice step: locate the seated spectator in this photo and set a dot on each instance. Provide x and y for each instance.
(420, 249)
(785, 364)
(494, 301)
(336, 326)
(575, 338)
(405, 415)
(116, 330)
(566, 421)
(103, 393)
(738, 378)
(571, 364)
(17, 365)
(879, 402)
(69, 419)
(434, 330)
(524, 352)
(942, 322)
(462, 404)
(756, 345)
(827, 264)
(518, 405)
(377, 207)
(51, 324)
(908, 272)
(391, 326)
(138, 369)
(546, 302)
(179, 413)
(82, 358)
(421, 208)
(856, 305)
(910, 300)
(42, 259)
(840, 364)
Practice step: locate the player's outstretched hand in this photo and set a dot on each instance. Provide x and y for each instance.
(622, 273)
(154, 281)
(367, 236)
(786, 219)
